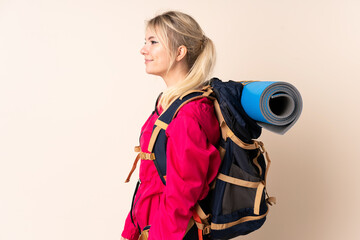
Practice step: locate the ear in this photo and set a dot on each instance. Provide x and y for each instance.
(182, 51)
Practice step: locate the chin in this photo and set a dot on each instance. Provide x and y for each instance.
(152, 72)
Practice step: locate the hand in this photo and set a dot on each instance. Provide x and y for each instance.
(121, 238)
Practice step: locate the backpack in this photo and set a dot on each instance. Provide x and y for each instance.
(237, 203)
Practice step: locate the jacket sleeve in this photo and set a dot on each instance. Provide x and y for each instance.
(131, 230)
(189, 156)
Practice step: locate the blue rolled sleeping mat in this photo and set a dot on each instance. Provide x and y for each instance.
(275, 106)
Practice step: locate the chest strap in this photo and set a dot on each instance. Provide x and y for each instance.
(141, 155)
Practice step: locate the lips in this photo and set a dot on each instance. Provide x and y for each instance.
(148, 60)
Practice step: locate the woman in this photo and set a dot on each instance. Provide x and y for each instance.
(177, 50)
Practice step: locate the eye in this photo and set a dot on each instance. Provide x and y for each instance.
(154, 42)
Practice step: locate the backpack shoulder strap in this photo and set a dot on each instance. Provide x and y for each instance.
(158, 140)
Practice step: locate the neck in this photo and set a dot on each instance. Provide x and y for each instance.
(176, 74)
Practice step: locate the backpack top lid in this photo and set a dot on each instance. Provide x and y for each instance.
(228, 95)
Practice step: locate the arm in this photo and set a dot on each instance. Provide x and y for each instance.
(189, 155)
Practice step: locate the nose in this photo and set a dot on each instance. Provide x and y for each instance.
(143, 50)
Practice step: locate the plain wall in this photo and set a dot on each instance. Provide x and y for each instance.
(74, 94)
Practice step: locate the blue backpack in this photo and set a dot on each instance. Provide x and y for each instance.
(237, 203)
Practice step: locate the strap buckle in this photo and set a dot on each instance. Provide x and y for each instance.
(260, 145)
(207, 230)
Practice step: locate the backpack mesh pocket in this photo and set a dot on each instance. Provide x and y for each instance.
(238, 197)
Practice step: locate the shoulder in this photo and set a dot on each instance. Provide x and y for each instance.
(198, 114)
(197, 109)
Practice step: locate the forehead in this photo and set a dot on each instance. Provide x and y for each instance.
(150, 33)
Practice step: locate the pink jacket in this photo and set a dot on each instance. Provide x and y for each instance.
(192, 164)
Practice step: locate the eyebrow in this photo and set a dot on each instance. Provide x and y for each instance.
(149, 38)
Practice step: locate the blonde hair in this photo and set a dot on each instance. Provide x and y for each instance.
(175, 29)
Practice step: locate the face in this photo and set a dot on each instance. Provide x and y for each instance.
(157, 59)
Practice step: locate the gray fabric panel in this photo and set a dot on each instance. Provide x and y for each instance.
(239, 197)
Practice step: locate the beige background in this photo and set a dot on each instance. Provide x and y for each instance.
(74, 94)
